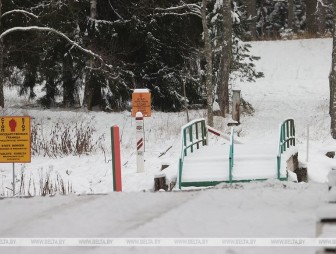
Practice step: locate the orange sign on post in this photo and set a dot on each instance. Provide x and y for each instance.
(141, 102)
(15, 142)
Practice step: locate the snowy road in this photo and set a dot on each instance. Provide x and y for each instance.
(269, 209)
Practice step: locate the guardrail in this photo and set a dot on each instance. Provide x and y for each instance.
(194, 135)
(231, 158)
(287, 139)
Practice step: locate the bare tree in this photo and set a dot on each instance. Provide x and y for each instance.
(89, 89)
(332, 81)
(311, 20)
(226, 59)
(208, 58)
(225, 46)
(2, 97)
(321, 19)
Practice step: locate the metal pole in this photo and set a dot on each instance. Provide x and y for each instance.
(13, 179)
(307, 158)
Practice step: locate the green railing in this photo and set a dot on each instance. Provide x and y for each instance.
(231, 158)
(287, 140)
(194, 135)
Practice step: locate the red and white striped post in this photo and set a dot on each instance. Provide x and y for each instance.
(116, 158)
(140, 143)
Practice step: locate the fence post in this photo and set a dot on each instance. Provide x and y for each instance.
(140, 143)
(116, 158)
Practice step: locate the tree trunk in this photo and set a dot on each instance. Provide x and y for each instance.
(225, 63)
(321, 19)
(290, 14)
(332, 81)
(311, 21)
(2, 97)
(208, 58)
(252, 15)
(68, 82)
(50, 90)
(89, 89)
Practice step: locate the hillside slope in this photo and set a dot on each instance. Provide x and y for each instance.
(295, 86)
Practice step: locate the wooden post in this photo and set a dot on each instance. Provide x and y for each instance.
(236, 105)
(116, 159)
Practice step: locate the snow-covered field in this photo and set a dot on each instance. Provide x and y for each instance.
(295, 85)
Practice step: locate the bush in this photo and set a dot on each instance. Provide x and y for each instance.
(65, 139)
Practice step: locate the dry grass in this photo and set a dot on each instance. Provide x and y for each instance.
(49, 183)
(65, 139)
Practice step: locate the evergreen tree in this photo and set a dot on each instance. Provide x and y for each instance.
(153, 44)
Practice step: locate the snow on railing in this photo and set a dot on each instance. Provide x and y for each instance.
(194, 134)
(222, 135)
(286, 141)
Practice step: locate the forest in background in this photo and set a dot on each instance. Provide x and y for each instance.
(128, 44)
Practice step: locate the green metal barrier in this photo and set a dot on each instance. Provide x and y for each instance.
(231, 158)
(287, 139)
(194, 135)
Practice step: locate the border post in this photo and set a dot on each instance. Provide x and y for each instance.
(140, 143)
(116, 159)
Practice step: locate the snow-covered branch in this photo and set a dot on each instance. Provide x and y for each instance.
(176, 14)
(322, 3)
(181, 7)
(187, 9)
(54, 31)
(51, 30)
(19, 11)
(106, 22)
(119, 16)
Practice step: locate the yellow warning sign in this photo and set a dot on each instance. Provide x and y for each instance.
(141, 102)
(15, 139)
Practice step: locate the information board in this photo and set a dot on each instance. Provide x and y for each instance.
(141, 102)
(15, 141)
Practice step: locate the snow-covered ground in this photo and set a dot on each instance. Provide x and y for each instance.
(266, 210)
(295, 85)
